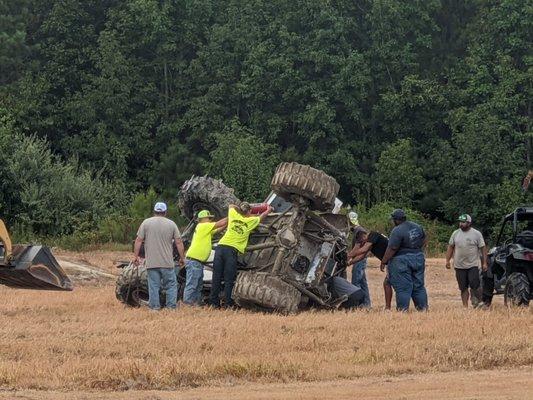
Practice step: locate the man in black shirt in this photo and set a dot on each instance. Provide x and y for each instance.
(376, 243)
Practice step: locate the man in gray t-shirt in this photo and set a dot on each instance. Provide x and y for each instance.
(469, 253)
(159, 234)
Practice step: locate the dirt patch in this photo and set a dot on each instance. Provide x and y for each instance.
(493, 385)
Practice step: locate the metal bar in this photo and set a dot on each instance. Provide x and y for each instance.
(323, 223)
(271, 225)
(306, 292)
(279, 260)
(261, 246)
(308, 234)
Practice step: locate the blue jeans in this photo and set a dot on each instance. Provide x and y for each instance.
(224, 268)
(194, 282)
(170, 285)
(359, 279)
(406, 275)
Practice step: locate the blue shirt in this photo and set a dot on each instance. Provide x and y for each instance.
(408, 238)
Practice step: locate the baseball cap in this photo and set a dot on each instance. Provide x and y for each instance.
(398, 214)
(205, 214)
(160, 207)
(354, 218)
(464, 218)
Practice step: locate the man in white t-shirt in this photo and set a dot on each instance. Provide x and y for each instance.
(469, 253)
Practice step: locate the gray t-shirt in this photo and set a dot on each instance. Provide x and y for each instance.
(467, 248)
(159, 234)
(408, 238)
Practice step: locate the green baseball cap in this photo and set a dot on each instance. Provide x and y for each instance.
(464, 218)
(205, 214)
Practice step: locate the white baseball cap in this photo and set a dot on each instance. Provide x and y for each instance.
(160, 207)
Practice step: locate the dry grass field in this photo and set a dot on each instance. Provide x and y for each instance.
(54, 345)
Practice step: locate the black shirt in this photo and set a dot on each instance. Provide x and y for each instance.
(379, 244)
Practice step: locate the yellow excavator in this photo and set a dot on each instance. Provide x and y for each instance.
(29, 266)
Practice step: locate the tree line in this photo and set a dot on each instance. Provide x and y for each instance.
(421, 103)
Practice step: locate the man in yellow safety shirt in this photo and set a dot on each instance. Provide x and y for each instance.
(198, 253)
(241, 223)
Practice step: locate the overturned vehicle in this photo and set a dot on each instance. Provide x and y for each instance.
(295, 259)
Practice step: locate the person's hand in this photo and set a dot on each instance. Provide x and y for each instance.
(484, 267)
(448, 265)
(382, 267)
(181, 262)
(136, 260)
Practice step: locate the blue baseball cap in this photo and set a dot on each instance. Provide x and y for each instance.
(398, 214)
(160, 207)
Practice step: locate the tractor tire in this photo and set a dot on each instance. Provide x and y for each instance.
(205, 193)
(132, 286)
(265, 292)
(302, 180)
(517, 290)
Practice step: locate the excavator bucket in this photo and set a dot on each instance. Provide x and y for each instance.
(32, 267)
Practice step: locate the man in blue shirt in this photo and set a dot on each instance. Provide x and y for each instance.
(406, 263)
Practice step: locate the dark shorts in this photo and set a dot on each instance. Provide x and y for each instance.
(467, 278)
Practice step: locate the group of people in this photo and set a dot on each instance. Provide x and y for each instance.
(159, 234)
(401, 256)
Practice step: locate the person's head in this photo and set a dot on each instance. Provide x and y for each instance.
(398, 216)
(465, 222)
(245, 208)
(354, 218)
(160, 208)
(205, 216)
(360, 234)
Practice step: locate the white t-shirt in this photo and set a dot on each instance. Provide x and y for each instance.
(467, 248)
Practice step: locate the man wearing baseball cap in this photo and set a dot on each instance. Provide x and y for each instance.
(406, 263)
(469, 252)
(198, 253)
(159, 234)
(241, 222)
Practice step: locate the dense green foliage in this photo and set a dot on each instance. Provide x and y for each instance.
(422, 103)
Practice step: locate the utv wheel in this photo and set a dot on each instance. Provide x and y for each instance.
(263, 291)
(205, 193)
(132, 286)
(517, 290)
(303, 180)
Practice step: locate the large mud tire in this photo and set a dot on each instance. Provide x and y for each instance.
(132, 286)
(203, 192)
(266, 292)
(303, 180)
(517, 290)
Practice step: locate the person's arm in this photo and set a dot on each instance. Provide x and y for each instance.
(389, 253)
(357, 258)
(181, 250)
(485, 258)
(179, 245)
(141, 234)
(137, 250)
(265, 214)
(220, 225)
(449, 255)
(395, 242)
(358, 251)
